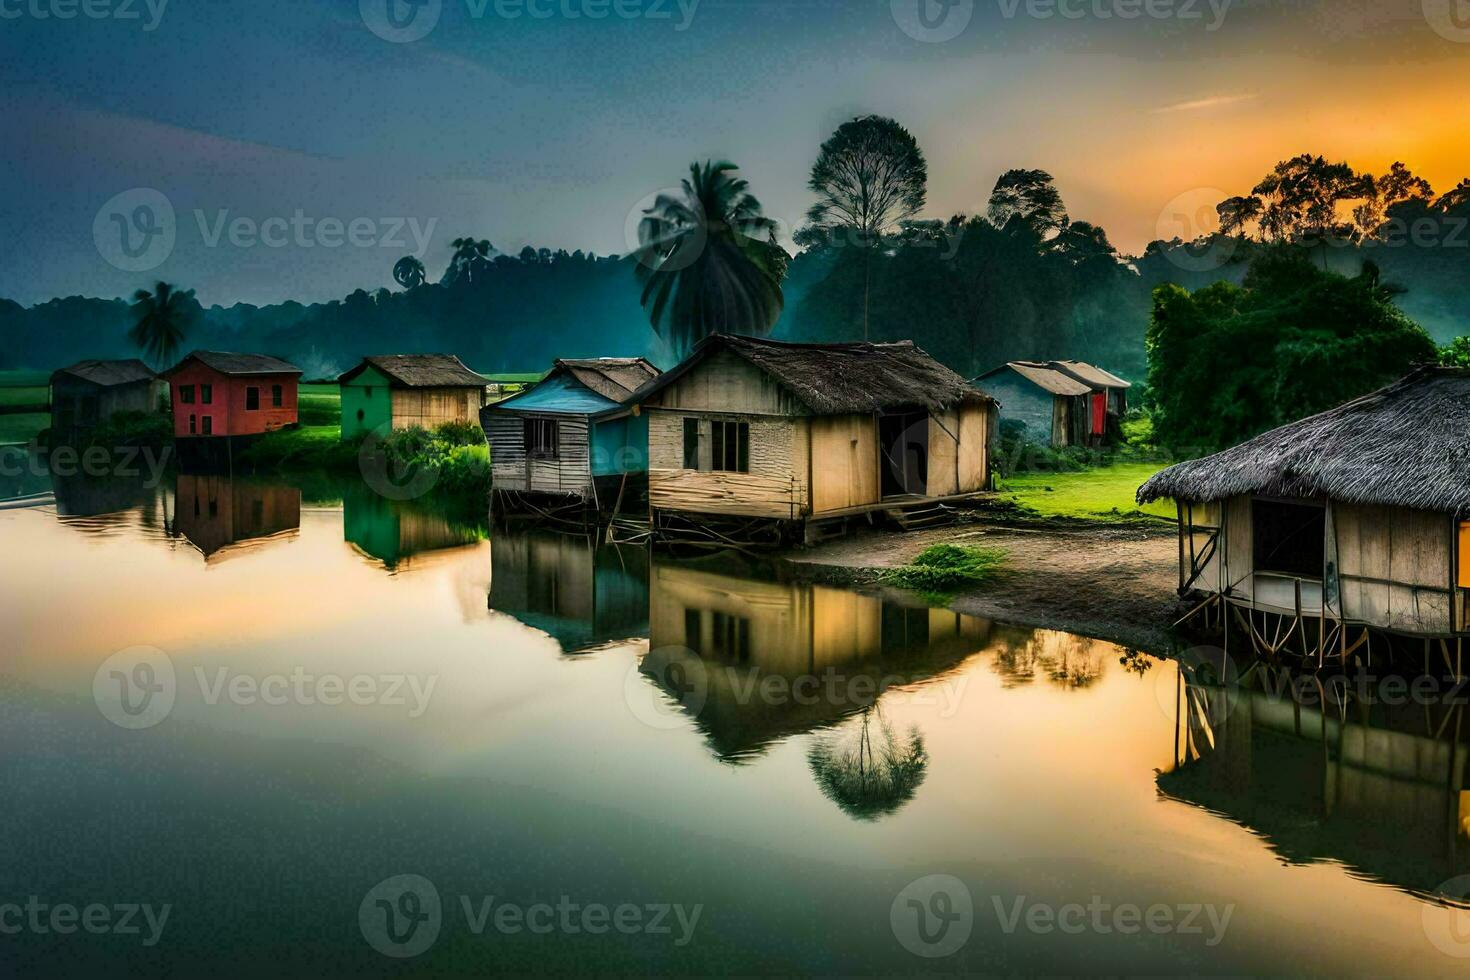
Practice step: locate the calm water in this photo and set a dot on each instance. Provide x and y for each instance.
(595, 761)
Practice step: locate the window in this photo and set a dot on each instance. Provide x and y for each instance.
(252, 399)
(1289, 537)
(730, 446)
(209, 425)
(193, 424)
(691, 444)
(186, 394)
(542, 439)
(277, 394)
(206, 394)
(693, 627)
(731, 636)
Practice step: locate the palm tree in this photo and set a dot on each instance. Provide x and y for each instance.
(408, 272)
(708, 260)
(471, 256)
(161, 320)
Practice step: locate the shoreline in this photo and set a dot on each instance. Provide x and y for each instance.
(1110, 581)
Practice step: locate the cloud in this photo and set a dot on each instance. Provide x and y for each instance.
(1211, 102)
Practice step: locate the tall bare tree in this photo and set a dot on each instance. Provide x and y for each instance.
(869, 176)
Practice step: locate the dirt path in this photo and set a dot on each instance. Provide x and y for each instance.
(1113, 582)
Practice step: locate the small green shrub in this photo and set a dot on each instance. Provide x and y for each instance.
(943, 569)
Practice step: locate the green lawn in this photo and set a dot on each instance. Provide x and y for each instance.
(25, 379)
(1099, 494)
(23, 427)
(514, 379)
(27, 395)
(319, 404)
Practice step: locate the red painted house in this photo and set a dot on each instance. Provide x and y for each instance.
(218, 394)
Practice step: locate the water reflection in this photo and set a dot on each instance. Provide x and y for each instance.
(1339, 785)
(224, 516)
(570, 587)
(869, 776)
(400, 535)
(754, 659)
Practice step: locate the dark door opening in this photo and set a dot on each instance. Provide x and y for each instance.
(1289, 538)
(903, 447)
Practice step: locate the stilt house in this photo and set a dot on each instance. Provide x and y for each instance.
(1359, 515)
(798, 432)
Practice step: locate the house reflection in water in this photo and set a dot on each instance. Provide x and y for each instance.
(400, 535)
(755, 660)
(580, 593)
(96, 505)
(1389, 802)
(224, 517)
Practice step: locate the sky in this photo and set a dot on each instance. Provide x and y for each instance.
(264, 150)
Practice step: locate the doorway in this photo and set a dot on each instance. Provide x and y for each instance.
(903, 447)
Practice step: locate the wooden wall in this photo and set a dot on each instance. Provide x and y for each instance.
(1395, 566)
(428, 407)
(775, 486)
(959, 451)
(845, 462)
(726, 382)
(511, 470)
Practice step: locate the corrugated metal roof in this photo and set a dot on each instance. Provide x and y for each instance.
(561, 394)
(1043, 376)
(108, 373)
(1090, 374)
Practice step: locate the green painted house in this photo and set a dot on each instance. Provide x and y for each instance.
(396, 391)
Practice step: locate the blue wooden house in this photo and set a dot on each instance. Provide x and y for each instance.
(1058, 403)
(573, 439)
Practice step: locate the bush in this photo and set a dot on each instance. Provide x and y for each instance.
(943, 569)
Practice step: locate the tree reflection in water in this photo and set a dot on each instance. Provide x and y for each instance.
(869, 778)
(1066, 660)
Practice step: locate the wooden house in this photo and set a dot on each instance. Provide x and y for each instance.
(802, 433)
(1059, 403)
(397, 391)
(1359, 516)
(574, 439)
(398, 535)
(221, 394)
(90, 392)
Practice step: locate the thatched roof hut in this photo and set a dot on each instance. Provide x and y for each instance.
(1358, 514)
(1401, 446)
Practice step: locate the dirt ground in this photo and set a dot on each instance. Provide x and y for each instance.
(1114, 582)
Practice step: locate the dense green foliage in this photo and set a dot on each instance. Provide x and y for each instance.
(1227, 362)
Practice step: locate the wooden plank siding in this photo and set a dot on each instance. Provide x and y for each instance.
(429, 407)
(844, 460)
(773, 487)
(1395, 566)
(570, 473)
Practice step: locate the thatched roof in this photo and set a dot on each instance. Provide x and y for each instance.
(229, 363)
(611, 377)
(109, 373)
(1044, 376)
(833, 379)
(420, 371)
(1402, 446)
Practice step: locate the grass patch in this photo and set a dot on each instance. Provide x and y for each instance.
(941, 570)
(27, 396)
(1103, 493)
(319, 404)
(514, 379)
(25, 379)
(23, 427)
(306, 446)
